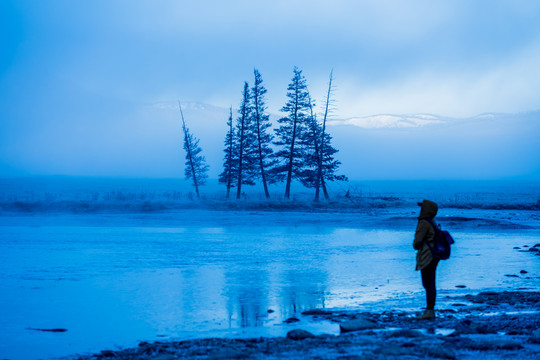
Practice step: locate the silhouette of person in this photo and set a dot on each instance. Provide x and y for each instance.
(425, 261)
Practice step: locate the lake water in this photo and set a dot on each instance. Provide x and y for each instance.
(116, 280)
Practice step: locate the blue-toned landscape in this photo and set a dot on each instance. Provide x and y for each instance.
(289, 179)
(116, 262)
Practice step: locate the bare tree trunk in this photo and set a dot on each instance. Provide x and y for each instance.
(190, 157)
(320, 179)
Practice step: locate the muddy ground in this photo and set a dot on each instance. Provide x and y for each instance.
(489, 325)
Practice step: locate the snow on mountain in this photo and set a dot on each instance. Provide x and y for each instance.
(389, 146)
(390, 121)
(186, 105)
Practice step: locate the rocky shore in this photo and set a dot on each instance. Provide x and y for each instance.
(488, 325)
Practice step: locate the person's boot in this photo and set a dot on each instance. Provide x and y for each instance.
(427, 315)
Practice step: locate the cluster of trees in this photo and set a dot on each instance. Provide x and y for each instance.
(300, 147)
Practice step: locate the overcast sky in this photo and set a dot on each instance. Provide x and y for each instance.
(66, 66)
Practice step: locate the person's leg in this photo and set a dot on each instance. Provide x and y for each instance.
(428, 281)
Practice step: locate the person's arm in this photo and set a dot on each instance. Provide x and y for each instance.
(421, 232)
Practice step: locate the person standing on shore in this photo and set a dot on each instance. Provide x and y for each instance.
(425, 261)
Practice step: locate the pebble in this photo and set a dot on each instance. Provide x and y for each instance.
(299, 334)
(316, 312)
(291, 320)
(406, 333)
(535, 338)
(440, 352)
(357, 325)
(227, 354)
(492, 343)
(49, 330)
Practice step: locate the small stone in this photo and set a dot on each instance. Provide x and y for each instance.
(227, 354)
(458, 304)
(299, 334)
(270, 311)
(461, 286)
(394, 351)
(516, 248)
(440, 352)
(406, 333)
(357, 325)
(316, 312)
(533, 249)
(164, 357)
(291, 320)
(483, 329)
(48, 330)
(107, 353)
(523, 272)
(510, 275)
(535, 338)
(536, 245)
(494, 344)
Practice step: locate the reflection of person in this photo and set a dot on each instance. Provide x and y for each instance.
(425, 262)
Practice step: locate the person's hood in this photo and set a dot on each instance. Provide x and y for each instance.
(428, 209)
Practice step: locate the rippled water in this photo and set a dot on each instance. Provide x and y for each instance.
(113, 285)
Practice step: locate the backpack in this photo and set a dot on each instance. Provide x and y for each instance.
(443, 240)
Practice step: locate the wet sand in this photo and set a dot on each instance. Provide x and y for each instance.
(488, 325)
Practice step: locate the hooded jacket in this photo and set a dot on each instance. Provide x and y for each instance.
(425, 232)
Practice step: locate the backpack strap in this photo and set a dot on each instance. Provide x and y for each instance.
(436, 232)
(435, 227)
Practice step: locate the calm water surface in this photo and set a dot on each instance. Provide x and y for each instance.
(116, 285)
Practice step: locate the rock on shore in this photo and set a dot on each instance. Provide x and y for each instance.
(498, 325)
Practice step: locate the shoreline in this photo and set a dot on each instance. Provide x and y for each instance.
(494, 325)
(451, 219)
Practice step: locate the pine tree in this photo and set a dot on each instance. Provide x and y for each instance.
(196, 168)
(229, 162)
(291, 129)
(261, 123)
(310, 145)
(245, 143)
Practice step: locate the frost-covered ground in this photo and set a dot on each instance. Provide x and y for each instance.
(113, 278)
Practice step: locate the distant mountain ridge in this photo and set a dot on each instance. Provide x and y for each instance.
(390, 121)
(376, 121)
